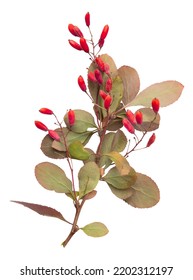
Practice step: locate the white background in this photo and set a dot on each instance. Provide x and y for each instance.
(38, 69)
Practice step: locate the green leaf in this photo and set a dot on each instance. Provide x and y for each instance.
(49, 151)
(52, 177)
(70, 137)
(112, 142)
(42, 210)
(88, 176)
(148, 117)
(77, 151)
(116, 93)
(131, 83)
(145, 192)
(167, 92)
(122, 194)
(83, 121)
(114, 179)
(95, 229)
(121, 163)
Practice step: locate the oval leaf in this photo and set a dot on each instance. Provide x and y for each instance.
(112, 142)
(131, 83)
(77, 151)
(49, 151)
(120, 161)
(122, 194)
(116, 93)
(145, 192)
(95, 229)
(90, 195)
(167, 92)
(88, 176)
(83, 121)
(42, 210)
(70, 137)
(52, 177)
(115, 179)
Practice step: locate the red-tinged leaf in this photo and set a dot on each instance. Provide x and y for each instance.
(90, 195)
(145, 192)
(42, 210)
(52, 177)
(131, 83)
(167, 92)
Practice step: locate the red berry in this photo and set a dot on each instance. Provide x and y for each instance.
(131, 117)
(104, 32)
(101, 43)
(107, 102)
(54, 135)
(108, 85)
(100, 64)
(98, 76)
(84, 45)
(139, 117)
(107, 69)
(128, 125)
(155, 105)
(41, 126)
(75, 45)
(151, 140)
(87, 19)
(91, 77)
(81, 83)
(46, 111)
(74, 30)
(102, 94)
(71, 117)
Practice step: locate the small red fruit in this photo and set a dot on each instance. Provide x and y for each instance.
(101, 43)
(71, 117)
(84, 45)
(75, 30)
(98, 76)
(139, 117)
(41, 126)
(128, 125)
(87, 19)
(46, 111)
(102, 94)
(155, 105)
(104, 32)
(108, 86)
(131, 117)
(107, 102)
(151, 140)
(54, 135)
(81, 83)
(100, 64)
(75, 45)
(91, 77)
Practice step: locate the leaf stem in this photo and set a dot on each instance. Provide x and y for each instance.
(75, 227)
(69, 160)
